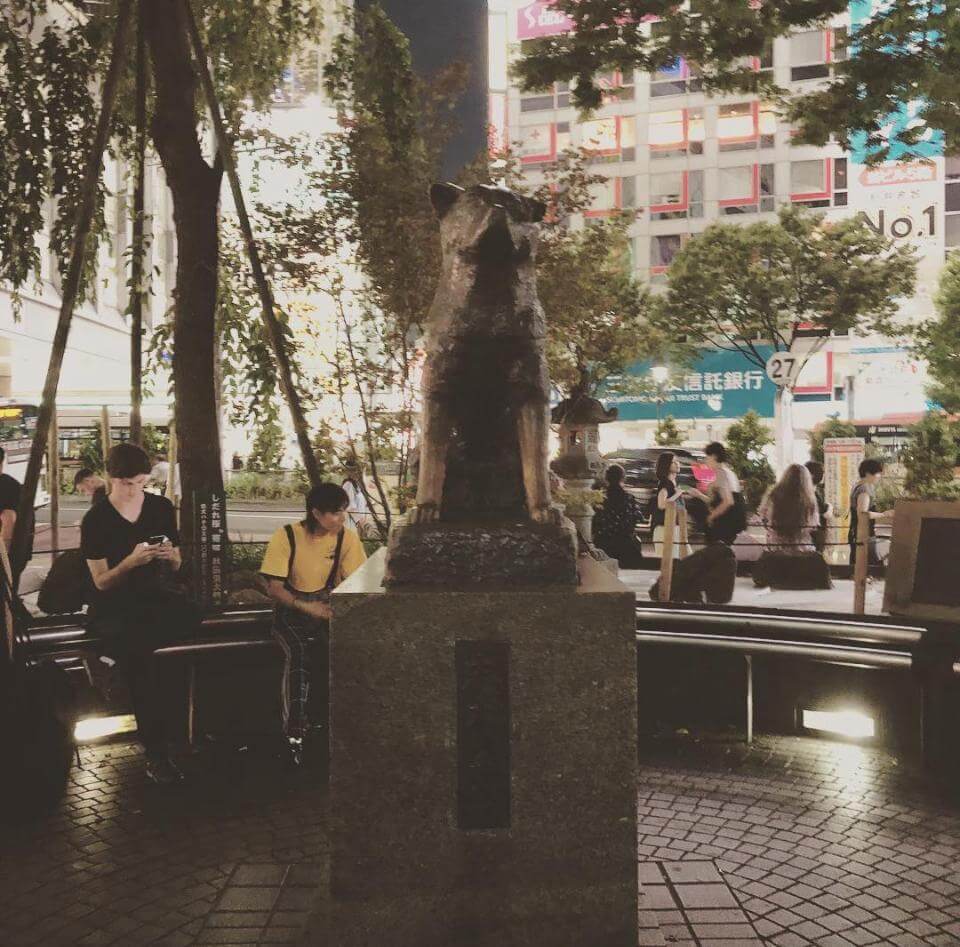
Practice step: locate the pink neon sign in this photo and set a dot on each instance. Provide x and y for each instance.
(541, 19)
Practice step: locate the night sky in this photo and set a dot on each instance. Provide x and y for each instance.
(443, 31)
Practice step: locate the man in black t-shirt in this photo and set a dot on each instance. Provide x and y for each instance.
(9, 503)
(131, 545)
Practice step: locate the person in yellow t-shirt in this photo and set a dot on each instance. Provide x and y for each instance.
(303, 563)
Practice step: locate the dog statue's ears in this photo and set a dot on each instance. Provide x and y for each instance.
(443, 197)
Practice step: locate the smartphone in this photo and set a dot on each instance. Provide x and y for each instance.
(157, 540)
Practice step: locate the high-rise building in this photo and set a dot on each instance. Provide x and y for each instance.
(683, 159)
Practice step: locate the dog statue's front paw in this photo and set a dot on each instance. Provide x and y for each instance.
(549, 515)
(423, 513)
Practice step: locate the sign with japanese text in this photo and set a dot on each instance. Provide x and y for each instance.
(842, 457)
(720, 384)
(210, 547)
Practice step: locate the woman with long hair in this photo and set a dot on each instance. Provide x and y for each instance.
(668, 468)
(790, 512)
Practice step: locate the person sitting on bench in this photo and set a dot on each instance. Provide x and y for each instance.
(303, 564)
(131, 545)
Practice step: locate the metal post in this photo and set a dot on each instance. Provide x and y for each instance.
(666, 557)
(749, 659)
(862, 563)
(53, 485)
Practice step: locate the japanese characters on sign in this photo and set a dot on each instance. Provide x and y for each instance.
(841, 461)
(719, 384)
(210, 542)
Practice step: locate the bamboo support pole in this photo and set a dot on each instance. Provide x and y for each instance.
(53, 483)
(137, 255)
(71, 284)
(666, 559)
(172, 464)
(105, 440)
(274, 329)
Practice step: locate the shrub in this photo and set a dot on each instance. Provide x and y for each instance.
(931, 454)
(668, 433)
(746, 440)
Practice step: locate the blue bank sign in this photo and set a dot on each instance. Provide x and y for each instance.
(718, 385)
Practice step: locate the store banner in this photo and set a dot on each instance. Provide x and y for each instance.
(541, 19)
(720, 384)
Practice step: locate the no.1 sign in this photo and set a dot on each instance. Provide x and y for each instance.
(783, 368)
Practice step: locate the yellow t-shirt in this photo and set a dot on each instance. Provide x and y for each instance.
(313, 559)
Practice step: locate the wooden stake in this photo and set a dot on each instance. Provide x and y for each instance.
(666, 557)
(71, 284)
(53, 488)
(274, 329)
(862, 563)
(684, 530)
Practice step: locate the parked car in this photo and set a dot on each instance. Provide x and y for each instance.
(640, 466)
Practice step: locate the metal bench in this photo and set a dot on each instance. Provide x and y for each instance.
(62, 638)
(879, 643)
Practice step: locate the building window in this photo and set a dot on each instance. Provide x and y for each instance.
(820, 182)
(616, 87)
(676, 133)
(557, 97)
(610, 139)
(663, 248)
(628, 191)
(678, 78)
(676, 194)
(810, 55)
(747, 189)
(951, 202)
(606, 198)
(745, 125)
(538, 143)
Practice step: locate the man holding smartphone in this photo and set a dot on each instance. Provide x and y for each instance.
(131, 544)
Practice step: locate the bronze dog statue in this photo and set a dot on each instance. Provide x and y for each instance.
(483, 448)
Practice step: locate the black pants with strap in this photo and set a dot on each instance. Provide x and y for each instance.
(131, 635)
(305, 642)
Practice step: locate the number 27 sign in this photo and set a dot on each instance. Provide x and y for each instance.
(783, 369)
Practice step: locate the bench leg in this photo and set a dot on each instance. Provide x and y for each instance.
(749, 659)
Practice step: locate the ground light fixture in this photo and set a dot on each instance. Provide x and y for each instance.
(852, 724)
(98, 728)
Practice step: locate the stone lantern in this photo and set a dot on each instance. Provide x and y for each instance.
(579, 419)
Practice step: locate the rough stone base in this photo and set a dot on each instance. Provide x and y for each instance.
(562, 870)
(466, 555)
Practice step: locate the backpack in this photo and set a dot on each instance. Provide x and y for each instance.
(711, 571)
(64, 590)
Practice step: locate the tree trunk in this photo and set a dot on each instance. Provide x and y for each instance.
(195, 187)
(783, 427)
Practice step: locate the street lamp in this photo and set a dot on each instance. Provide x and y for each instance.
(660, 374)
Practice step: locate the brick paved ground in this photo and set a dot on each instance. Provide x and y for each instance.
(794, 841)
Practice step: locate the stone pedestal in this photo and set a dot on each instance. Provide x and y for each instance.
(477, 553)
(483, 766)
